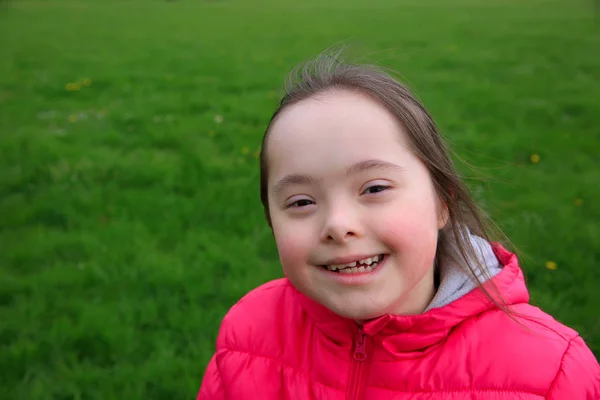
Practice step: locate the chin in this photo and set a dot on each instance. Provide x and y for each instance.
(357, 313)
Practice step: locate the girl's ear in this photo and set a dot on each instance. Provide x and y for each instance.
(443, 214)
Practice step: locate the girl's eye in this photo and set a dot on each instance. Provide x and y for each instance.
(376, 189)
(300, 203)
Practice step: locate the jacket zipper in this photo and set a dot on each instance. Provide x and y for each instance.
(354, 391)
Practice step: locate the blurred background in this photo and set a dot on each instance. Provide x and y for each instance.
(130, 218)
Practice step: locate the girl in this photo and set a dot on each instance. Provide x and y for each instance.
(392, 288)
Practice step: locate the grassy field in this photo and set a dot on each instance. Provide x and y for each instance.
(130, 218)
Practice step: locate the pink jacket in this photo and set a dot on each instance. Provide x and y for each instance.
(276, 343)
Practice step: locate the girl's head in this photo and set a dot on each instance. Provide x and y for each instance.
(353, 168)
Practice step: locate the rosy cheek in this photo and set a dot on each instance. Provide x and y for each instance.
(291, 248)
(413, 230)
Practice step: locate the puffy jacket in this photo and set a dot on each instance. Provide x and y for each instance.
(276, 343)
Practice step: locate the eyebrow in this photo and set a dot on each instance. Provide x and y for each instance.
(362, 166)
(367, 165)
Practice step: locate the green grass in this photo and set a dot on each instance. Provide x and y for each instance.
(130, 219)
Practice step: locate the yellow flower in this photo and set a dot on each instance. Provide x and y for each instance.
(551, 265)
(211, 133)
(245, 150)
(579, 202)
(72, 118)
(257, 154)
(71, 87)
(86, 82)
(218, 118)
(535, 158)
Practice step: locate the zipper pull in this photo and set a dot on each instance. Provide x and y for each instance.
(360, 352)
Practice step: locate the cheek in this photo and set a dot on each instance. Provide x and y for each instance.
(292, 248)
(410, 231)
(413, 233)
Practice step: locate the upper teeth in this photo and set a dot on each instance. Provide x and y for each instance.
(366, 261)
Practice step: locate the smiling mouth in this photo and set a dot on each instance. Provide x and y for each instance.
(356, 267)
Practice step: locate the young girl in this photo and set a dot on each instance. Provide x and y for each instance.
(392, 288)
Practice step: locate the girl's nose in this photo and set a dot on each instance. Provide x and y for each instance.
(340, 227)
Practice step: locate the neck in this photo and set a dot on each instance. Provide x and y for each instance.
(419, 297)
(416, 300)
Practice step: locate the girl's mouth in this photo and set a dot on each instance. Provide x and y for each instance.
(362, 266)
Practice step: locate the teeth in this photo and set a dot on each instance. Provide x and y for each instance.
(366, 261)
(340, 266)
(365, 265)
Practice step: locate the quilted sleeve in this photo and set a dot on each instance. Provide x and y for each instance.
(578, 376)
(212, 386)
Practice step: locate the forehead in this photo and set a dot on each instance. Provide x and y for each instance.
(331, 131)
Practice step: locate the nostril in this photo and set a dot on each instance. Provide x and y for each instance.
(339, 236)
(331, 237)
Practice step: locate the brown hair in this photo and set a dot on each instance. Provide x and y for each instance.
(328, 73)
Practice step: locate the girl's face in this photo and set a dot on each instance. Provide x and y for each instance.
(354, 212)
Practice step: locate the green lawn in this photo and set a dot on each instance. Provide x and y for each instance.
(130, 218)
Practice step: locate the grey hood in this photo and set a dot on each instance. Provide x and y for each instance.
(454, 283)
